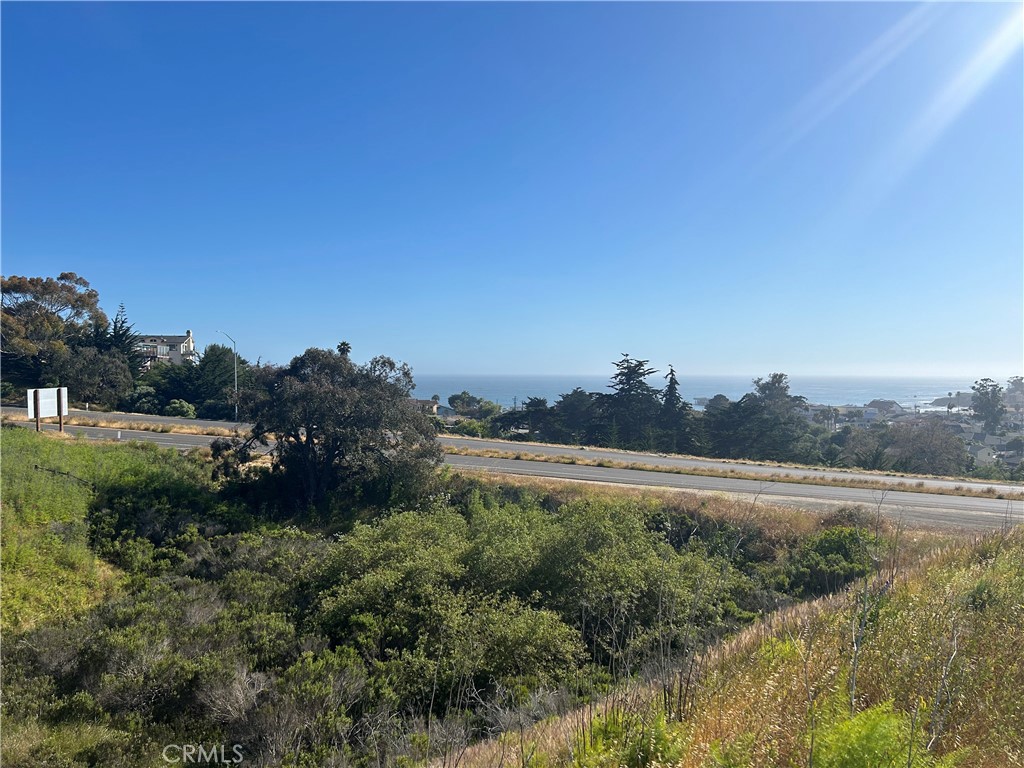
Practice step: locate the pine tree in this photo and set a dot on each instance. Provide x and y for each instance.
(634, 405)
(678, 428)
(122, 338)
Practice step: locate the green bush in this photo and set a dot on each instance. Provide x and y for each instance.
(830, 560)
(469, 428)
(181, 409)
(877, 737)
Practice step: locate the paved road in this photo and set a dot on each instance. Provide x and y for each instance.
(144, 418)
(166, 439)
(681, 462)
(652, 459)
(914, 509)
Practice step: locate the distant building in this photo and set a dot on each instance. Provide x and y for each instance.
(158, 348)
(886, 407)
(858, 415)
(983, 454)
(433, 408)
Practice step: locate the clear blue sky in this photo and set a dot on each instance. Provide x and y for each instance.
(814, 188)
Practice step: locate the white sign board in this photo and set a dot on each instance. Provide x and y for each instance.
(47, 402)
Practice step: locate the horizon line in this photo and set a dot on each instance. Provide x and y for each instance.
(922, 376)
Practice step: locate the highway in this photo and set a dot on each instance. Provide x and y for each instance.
(717, 465)
(769, 470)
(914, 508)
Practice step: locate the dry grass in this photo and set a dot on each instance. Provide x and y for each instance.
(781, 465)
(558, 739)
(918, 486)
(127, 424)
(759, 691)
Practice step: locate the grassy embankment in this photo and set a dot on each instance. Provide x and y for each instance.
(924, 667)
(48, 569)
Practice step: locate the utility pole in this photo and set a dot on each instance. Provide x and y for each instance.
(234, 349)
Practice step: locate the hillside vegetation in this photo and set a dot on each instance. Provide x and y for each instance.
(146, 603)
(197, 612)
(920, 668)
(49, 571)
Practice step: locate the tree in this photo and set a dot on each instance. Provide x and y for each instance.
(340, 425)
(677, 423)
(716, 403)
(214, 381)
(773, 393)
(91, 376)
(764, 424)
(671, 400)
(866, 448)
(181, 409)
(472, 406)
(777, 419)
(121, 338)
(633, 405)
(171, 382)
(928, 448)
(827, 417)
(573, 415)
(537, 414)
(143, 399)
(987, 403)
(1015, 396)
(41, 319)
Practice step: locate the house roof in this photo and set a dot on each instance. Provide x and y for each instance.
(163, 337)
(885, 406)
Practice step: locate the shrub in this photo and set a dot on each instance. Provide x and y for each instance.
(830, 560)
(878, 737)
(181, 409)
(469, 428)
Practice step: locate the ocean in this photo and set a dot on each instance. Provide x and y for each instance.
(510, 390)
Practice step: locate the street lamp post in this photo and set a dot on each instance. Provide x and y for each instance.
(234, 349)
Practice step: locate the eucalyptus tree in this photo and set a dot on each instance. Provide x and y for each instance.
(42, 318)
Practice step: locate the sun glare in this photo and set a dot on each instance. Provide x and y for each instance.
(839, 88)
(949, 104)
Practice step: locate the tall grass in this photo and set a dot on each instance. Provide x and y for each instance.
(921, 667)
(48, 484)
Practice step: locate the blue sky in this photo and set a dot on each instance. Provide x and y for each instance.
(814, 188)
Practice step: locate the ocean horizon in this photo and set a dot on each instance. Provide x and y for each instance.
(510, 390)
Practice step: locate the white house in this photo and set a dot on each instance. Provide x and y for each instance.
(160, 348)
